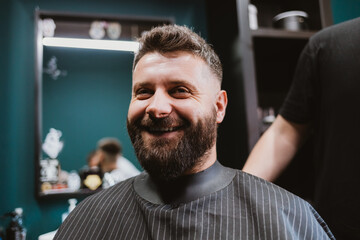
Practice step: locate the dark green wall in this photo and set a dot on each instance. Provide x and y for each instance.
(345, 10)
(17, 94)
(7, 173)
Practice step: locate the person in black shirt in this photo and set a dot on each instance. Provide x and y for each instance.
(323, 100)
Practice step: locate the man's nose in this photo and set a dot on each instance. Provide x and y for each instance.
(160, 105)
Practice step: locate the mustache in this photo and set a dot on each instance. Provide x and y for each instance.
(150, 122)
(162, 122)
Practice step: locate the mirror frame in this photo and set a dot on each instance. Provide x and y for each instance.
(71, 17)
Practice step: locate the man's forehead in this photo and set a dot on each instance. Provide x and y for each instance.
(179, 67)
(169, 56)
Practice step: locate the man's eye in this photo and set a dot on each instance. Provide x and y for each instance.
(143, 93)
(180, 92)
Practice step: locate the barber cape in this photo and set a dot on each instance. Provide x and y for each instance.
(246, 208)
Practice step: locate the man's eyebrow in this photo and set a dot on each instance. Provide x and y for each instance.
(169, 83)
(182, 82)
(142, 84)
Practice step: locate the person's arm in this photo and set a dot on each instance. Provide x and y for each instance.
(275, 149)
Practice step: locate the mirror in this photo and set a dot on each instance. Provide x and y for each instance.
(82, 96)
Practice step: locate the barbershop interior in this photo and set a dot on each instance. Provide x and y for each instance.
(62, 100)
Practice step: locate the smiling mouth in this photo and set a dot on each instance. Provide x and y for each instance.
(162, 127)
(162, 130)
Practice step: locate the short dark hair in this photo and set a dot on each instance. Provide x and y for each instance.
(111, 146)
(171, 38)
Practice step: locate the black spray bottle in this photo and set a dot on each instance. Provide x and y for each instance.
(16, 230)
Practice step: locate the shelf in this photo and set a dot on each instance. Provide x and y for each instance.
(68, 194)
(277, 33)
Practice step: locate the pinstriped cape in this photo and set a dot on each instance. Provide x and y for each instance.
(248, 208)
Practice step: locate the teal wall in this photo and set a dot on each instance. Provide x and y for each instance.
(345, 10)
(17, 90)
(17, 94)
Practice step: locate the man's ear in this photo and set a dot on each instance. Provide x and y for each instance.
(221, 103)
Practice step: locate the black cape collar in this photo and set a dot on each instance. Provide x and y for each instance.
(185, 189)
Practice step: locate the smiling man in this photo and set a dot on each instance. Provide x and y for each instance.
(184, 192)
(172, 118)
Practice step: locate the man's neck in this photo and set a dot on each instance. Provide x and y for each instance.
(203, 164)
(186, 188)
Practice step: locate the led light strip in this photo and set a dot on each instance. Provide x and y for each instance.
(91, 44)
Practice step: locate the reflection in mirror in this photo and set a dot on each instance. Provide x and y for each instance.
(86, 104)
(83, 96)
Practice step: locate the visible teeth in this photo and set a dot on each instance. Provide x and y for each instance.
(162, 129)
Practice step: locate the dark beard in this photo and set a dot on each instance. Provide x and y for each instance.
(168, 159)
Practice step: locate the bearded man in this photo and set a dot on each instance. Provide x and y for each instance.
(184, 192)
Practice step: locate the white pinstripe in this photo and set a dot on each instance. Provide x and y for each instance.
(127, 232)
(202, 218)
(114, 215)
(215, 208)
(190, 220)
(76, 214)
(197, 205)
(104, 205)
(233, 212)
(176, 225)
(299, 232)
(288, 213)
(270, 216)
(263, 207)
(251, 208)
(257, 213)
(208, 229)
(277, 214)
(171, 213)
(221, 214)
